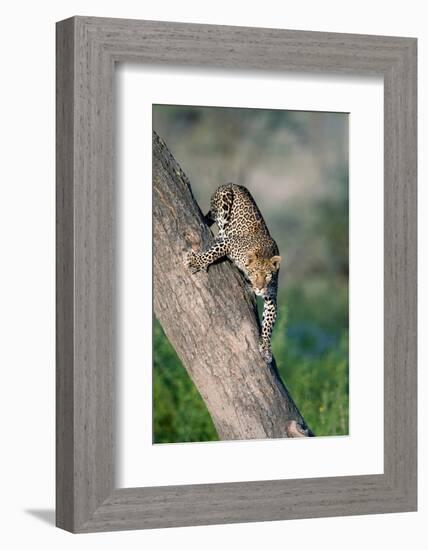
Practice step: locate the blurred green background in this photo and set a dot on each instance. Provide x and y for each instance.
(295, 164)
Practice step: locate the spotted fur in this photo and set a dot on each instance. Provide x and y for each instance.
(244, 238)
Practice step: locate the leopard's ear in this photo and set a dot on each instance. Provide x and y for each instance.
(275, 262)
(251, 258)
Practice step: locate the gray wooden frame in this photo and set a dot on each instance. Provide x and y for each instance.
(87, 50)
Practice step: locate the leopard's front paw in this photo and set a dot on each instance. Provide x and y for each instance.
(266, 351)
(191, 261)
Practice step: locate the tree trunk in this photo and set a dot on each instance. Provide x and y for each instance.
(211, 318)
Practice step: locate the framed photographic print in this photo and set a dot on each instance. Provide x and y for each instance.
(236, 274)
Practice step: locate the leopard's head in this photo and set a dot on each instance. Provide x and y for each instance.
(260, 270)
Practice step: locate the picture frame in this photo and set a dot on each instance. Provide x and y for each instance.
(87, 50)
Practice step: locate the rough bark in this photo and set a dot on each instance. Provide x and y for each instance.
(211, 318)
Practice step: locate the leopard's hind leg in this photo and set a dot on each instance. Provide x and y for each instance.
(221, 208)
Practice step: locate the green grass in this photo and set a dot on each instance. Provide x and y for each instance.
(178, 409)
(310, 345)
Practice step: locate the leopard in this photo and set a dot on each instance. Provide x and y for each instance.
(244, 238)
